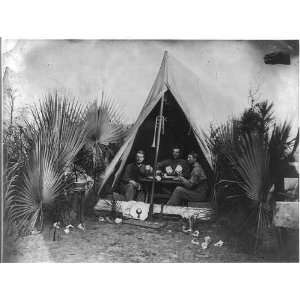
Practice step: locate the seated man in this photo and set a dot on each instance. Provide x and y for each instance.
(193, 189)
(174, 166)
(130, 186)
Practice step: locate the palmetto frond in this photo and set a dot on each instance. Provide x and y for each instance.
(220, 143)
(281, 149)
(252, 165)
(61, 123)
(279, 142)
(222, 139)
(103, 124)
(57, 135)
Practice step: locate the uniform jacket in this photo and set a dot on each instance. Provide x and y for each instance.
(133, 172)
(198, 179)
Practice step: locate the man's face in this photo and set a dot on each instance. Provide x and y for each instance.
(176, 153)
(190, 159)
(139, 158)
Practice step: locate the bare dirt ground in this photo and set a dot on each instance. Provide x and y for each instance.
(105, 242)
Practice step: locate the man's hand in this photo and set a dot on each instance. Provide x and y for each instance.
(148, 169)
(182, 179)
(135, 184)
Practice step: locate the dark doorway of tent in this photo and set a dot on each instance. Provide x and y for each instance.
(176, 131)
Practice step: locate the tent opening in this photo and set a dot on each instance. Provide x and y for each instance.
(176, 131)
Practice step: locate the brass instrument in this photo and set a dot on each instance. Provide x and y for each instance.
(157, 120)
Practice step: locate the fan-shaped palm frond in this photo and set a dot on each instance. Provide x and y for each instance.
(252, 165)
(57, 135)
(61, 122)
(103, 124)
(220, 143)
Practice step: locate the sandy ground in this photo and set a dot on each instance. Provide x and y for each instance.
(105, 242)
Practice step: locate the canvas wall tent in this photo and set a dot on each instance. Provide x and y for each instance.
(180, 88)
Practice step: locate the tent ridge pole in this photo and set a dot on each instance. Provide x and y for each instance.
(156, 157)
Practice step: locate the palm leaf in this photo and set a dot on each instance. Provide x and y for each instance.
(252, 165)
(280, 149)
(57, 135)
(220, 144)
(64, 120)
(103, 124)
(279, 142)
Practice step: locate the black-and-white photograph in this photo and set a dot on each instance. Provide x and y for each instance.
(150, 151)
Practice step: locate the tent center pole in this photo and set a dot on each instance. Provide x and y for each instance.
(156, 156)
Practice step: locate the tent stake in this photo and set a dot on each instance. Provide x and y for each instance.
(156, 157)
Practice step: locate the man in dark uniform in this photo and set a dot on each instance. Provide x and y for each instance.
(175, 166)
(130, 186)
(193, 189)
